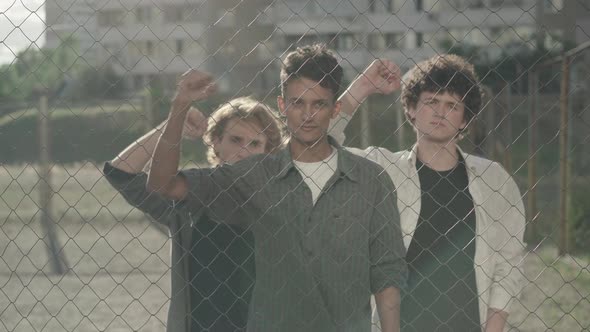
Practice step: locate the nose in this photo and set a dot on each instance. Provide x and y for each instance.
(244, 152)
(308, 112)
(440, 111)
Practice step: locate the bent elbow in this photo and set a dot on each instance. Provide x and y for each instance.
(174, 189)
(157, 187)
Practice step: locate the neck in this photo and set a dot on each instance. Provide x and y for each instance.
(310, 153)
(438, 156)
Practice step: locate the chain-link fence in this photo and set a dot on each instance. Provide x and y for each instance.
(76, 256)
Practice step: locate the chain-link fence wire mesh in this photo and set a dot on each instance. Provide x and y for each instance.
(76, 257)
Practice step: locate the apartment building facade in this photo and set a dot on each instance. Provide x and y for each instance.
(242, 41)
(72, 19)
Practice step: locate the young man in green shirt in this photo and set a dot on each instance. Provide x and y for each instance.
(325, 240)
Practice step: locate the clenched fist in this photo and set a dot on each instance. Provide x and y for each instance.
(194, 85)
(381, 76)
(195, 124)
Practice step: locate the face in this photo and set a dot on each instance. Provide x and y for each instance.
(308, 108)
(438, 117)
(240, 139)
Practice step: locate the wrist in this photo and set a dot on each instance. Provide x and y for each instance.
(180, 105)
(359, 91)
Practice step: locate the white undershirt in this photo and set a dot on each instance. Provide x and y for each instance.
(316, 174)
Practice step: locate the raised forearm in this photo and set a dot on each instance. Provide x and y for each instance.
(388, 306)
(135, 157)
(166, 157)
(381, 76)
(353, 97)
(496, 320)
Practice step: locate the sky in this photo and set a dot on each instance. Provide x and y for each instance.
(21, 24)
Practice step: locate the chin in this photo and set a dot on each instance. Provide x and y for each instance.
(439, 139)
(308, 141)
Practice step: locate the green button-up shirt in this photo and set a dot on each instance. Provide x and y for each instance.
(316, 265)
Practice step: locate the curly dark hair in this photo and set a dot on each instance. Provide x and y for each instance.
(444, 73)
(314, 62)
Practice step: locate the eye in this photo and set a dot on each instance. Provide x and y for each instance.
(297, 102)
(235, 139)
(320, 104)
(254, 144)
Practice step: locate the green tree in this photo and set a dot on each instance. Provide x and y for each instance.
(38, 67)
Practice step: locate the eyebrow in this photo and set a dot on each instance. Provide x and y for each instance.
(242, 138)
(313, 100)
(446, 102)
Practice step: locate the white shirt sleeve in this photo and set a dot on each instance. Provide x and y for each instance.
(337, 126)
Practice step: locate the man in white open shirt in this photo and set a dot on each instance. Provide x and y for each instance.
(462, 216)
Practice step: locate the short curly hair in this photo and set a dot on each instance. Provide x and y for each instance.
(315, 62)
(444, 73)
(245, 109)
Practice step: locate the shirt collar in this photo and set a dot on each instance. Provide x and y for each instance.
(346, 166)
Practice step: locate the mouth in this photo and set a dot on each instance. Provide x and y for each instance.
(438, 124)
(307, 127)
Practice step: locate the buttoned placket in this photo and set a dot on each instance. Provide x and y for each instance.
(312, 240)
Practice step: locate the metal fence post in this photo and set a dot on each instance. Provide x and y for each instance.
(532, 159)
(563, 157)
(56, 258)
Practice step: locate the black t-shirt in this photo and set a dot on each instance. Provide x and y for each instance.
(442, 292)
(223, 272)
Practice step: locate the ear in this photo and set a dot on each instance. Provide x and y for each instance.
(215, 141)
(463, 124)
(410, 115)
(337, 108)
(281, 104)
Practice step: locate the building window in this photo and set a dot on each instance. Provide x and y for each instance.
(108, 18)
(475, 4)
(377, 42)
(393, 40)
(331, 39)
(380, 6)
(345, 42)
(495, 34)
(554, 6)
(298, 40)
(179, 46)
(419, 39)
(311, 8)
(143, 14)
(174, 13)
(149, 48)
(138, 82)
(513, 3)
(419, 5)
(384, 41)
(372, 6)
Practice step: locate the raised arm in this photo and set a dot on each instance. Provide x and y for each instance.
(125, 174)
(137, 156)
(163, 176)
(382, 76)
(134, 158)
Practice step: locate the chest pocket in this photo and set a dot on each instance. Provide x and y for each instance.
(346, 234)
